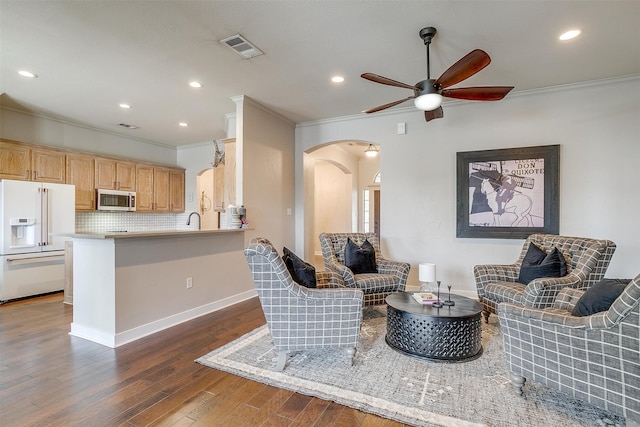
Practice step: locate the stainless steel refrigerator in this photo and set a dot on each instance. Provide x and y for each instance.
(33, 218)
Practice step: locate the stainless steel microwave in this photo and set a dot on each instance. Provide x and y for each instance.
(113, 200)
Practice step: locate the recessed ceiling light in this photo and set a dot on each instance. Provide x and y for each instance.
(568, 35)
(123, 105)
(195, 84)
(183, 124)
(337, 79)
(29, 74)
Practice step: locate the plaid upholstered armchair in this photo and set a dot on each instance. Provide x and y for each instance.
(302, 318)
(586, 260)
(594, 358)
(391, 275)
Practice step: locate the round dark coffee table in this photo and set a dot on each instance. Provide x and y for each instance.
(446, 334)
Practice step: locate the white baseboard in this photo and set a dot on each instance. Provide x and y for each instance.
(91, 334)
(111, 340)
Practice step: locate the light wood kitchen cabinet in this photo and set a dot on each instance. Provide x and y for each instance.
(224, 178)
(48, 166)
(144, 188)
(176, 190)
(126, 174)
(115, 175)
(80, 172)
(159, 189)
(15, 161)
(218, 188)
(26, 163)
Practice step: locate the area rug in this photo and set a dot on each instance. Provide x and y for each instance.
(409, 390)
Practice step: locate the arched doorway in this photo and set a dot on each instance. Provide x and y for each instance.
(335, 176)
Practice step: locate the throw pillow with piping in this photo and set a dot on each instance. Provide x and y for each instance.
(552, 265)
(301, 271)
(360, 259)
(600, 296)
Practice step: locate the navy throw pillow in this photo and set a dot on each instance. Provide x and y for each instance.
(600, 296)
(302, 272)
(552, 265)
(360, 259)
(534, 255)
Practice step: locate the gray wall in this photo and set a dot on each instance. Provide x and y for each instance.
(267, 189)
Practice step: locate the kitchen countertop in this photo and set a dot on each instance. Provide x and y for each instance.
(151, 233)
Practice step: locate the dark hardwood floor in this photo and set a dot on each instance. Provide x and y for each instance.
(48, 378)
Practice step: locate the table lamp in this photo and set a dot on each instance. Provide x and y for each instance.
(426, 276)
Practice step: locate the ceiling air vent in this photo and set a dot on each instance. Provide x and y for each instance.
(128, 126)
(242, 46)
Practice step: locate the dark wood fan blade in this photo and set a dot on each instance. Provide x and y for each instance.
(433, 114)
(389, 105)
(466, 67)
(385, 81)
(478, 93)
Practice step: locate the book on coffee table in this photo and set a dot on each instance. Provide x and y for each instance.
(426, 297)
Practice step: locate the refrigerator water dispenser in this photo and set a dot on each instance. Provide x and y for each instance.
(22, 232)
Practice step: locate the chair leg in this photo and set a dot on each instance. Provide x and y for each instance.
(486, 315)
(282, 359)
(351, 351)
(518, 382)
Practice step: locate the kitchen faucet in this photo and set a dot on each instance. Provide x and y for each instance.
(199, 219)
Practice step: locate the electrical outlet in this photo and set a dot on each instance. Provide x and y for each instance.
(189, 282)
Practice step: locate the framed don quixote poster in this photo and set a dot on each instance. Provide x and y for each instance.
(508, 193)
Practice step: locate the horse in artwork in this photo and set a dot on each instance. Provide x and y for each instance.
(519, 205)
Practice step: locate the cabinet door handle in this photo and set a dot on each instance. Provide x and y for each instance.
(35, 174)
(28, 174)
(35, 259)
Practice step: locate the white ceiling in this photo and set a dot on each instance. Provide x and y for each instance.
(92, 55)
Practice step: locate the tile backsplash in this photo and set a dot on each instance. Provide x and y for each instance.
(101, 222)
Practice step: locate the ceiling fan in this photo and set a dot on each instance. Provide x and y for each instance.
(427, 94)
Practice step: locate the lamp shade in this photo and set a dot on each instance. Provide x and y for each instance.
(427, 272)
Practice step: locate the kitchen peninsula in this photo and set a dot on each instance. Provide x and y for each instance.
(127, 285)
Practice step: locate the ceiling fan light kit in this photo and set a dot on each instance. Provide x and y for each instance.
(427, 99)
(428, 93)
(428, 102)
